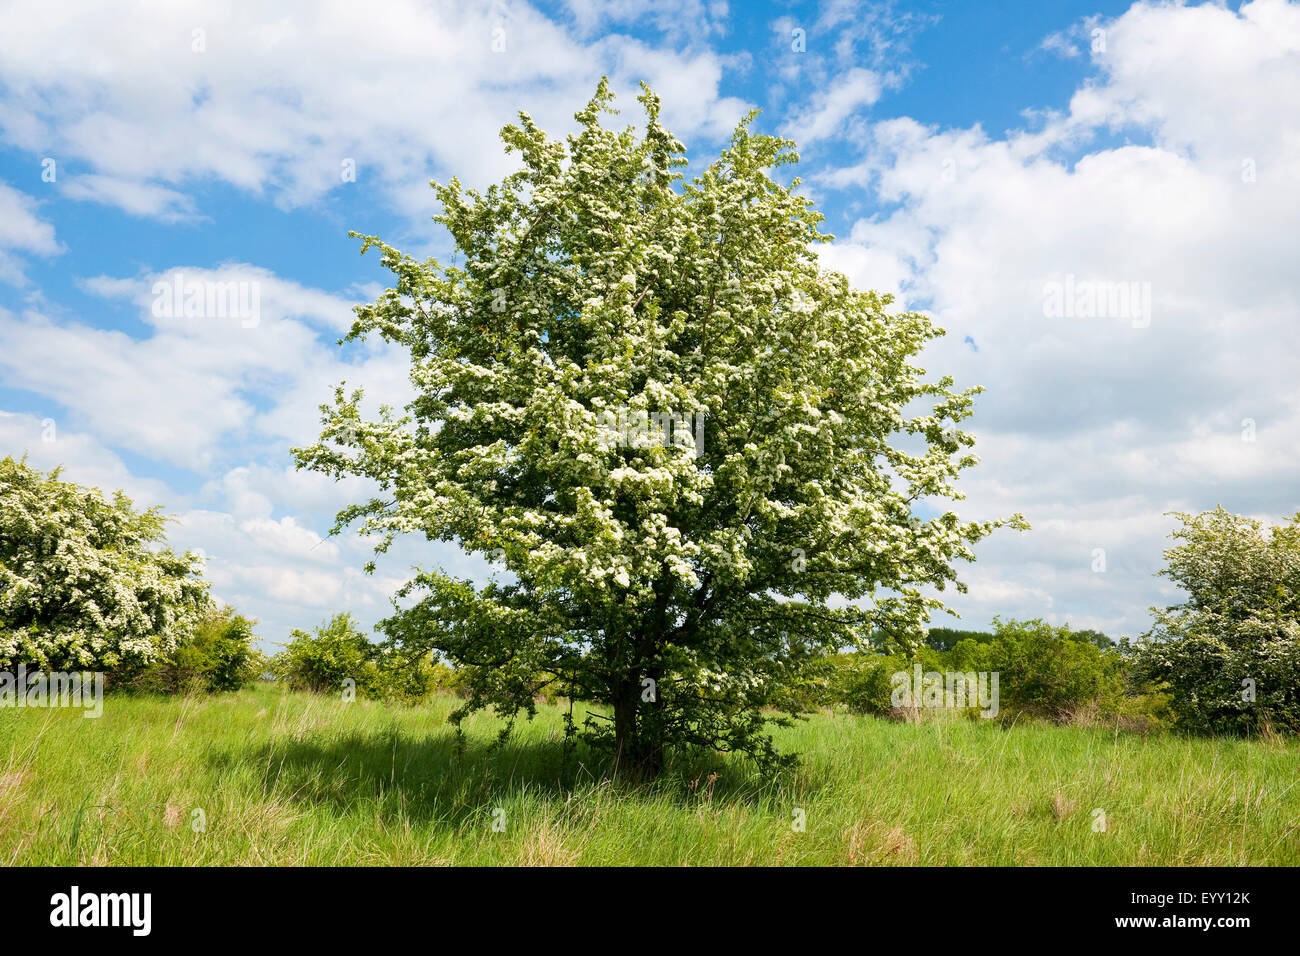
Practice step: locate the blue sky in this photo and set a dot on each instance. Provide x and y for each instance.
(967, 157)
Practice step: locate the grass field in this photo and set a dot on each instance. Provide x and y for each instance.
(288, 779)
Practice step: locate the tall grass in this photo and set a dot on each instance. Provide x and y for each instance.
(290, 779)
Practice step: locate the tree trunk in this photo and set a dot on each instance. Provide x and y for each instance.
(638, 751)
(652, 731)
(625, 725)
(652, 759)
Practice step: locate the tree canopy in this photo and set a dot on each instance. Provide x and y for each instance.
(701, 460)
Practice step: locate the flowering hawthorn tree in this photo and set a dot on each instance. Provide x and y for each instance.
(1229, 657)
(679, 571)
(86, 582)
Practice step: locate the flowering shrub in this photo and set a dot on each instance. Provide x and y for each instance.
(1229, 658)
(86, 582)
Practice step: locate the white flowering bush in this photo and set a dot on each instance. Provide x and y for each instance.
(1229, 657)
(681, 583)
(86, 582)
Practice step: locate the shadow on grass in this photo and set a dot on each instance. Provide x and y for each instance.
(433, 777)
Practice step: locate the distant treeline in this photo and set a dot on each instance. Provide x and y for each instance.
(946, 638)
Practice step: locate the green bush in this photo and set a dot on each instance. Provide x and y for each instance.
(218, 654)
(1046, 671)
(859, 682)
(448, 680)
(1043, 671)
(338, 651)
(408, 678)
(863, 683)
(968, 655)
(322, 661)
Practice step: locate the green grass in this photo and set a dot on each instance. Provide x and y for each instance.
(288, 779)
